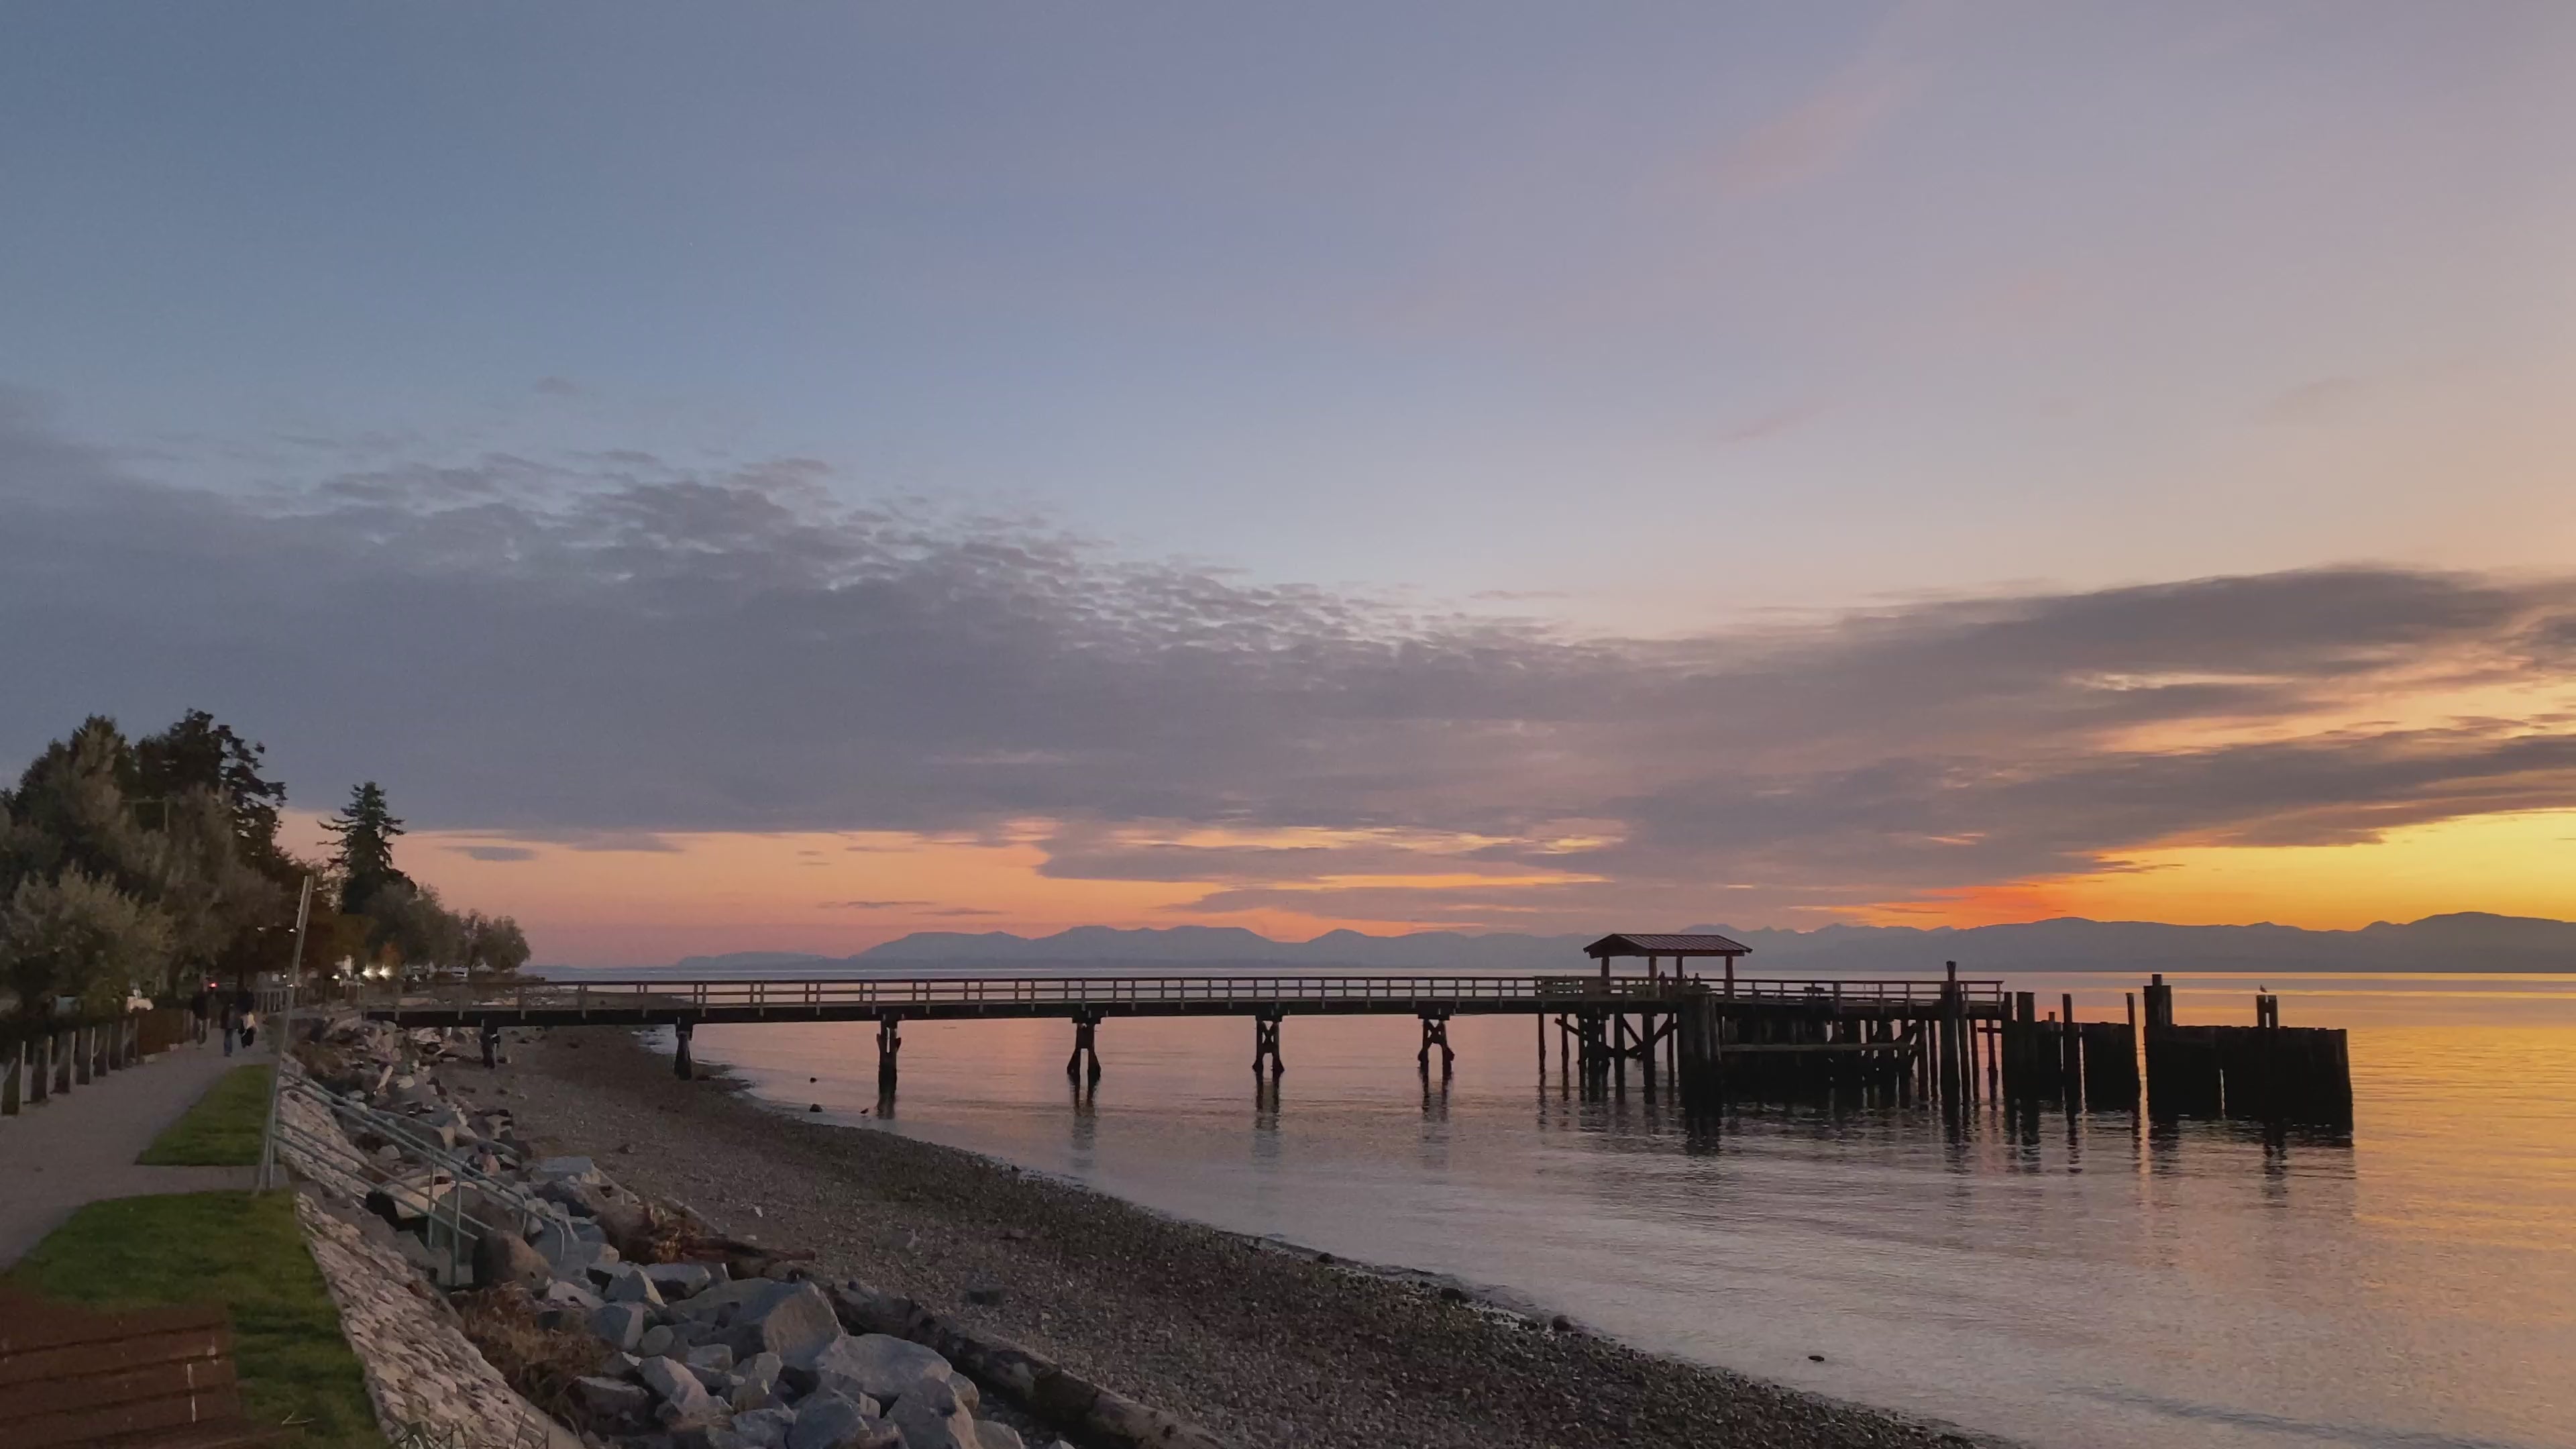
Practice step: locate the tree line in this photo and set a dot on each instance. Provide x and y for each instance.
(153, 865)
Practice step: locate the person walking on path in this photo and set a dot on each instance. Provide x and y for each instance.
(237, 1010)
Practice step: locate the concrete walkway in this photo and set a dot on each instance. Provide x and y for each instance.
(80, 1147)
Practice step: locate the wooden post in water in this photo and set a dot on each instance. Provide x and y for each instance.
(889, 1047)
(1265, 1044)
(1950, 1079)
(1085, 1061)
(2160, 1009)
(1435, 1033)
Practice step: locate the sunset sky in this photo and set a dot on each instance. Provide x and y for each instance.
(764, 476)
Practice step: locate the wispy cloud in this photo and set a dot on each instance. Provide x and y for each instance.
(1838, 115)
(2319, 400)
(1771, 424)
(608, 660)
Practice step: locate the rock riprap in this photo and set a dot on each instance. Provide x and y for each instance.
(701, 1341)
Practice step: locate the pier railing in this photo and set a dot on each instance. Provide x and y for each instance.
(1074, 992)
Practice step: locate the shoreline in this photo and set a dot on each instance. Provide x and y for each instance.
(1260, 1341)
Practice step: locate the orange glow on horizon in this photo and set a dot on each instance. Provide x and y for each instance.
(650, 900)
(2513, 865)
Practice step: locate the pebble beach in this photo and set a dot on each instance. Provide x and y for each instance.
(1259, 1343)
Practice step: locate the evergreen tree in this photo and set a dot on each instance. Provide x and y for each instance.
(71, 812)
(365, 860)
(197, 753)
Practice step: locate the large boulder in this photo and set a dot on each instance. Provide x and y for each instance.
(765, 1428)
(829, 1421)
(569, 1253)
(932, 1417)
(678, 1280)
(684, 1399)
(792, 1320)
(612, 1399)
(565, 1169)
(576, 1197)
(878, 1365)
(505, 1257)
(621, 1325)
(755, 1383)
(718, 1303)
(411, 1196)
(625, 1222)
(564, 1293)
(993, 1435)
(626, 1283)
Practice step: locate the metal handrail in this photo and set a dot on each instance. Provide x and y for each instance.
(418, 1142)
(446, 1210)
(1071, 991)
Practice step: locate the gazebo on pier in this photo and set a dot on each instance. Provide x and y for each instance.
(1679, 947)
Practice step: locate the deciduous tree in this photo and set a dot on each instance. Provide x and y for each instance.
(76, 935)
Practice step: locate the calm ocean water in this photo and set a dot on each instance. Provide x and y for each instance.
(2090, 1283)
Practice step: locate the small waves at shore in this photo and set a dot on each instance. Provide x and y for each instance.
(2083, 1283)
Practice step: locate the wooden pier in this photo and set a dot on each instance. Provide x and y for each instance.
(1714, 1038)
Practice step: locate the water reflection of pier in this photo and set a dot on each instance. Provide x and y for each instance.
(1690, 1022)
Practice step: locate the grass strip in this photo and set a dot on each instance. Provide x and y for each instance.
(245, 1252)
(222, 1130)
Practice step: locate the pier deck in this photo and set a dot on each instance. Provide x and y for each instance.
(938, 998)
(1715, 1038)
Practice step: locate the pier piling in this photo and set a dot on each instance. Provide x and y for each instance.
(889, 1050)
(1265, 1044)
(1084, 1064)
(1435, 1033)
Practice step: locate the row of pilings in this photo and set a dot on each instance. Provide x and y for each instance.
(1954, 1053)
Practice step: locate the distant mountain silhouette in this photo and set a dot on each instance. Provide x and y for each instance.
(2465, 941)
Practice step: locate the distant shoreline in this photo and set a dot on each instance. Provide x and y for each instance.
(894, 968)
(2466, 942)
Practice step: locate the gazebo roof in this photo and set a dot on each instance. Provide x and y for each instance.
(1666, 945)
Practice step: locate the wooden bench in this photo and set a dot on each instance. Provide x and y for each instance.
(152, 1378)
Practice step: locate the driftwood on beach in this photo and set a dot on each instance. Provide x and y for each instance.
(1100, 1417)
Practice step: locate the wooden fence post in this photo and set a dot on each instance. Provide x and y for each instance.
(10, 1071)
